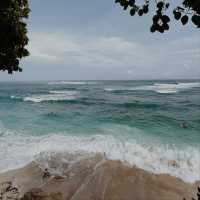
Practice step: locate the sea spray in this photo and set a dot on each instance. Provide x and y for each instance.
(152, 157)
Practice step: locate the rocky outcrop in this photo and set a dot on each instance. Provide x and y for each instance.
(90, 178)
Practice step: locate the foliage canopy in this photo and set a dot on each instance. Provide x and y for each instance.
(13, 33)
(160, 19)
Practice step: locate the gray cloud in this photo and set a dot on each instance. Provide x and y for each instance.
(56, 56)
(177, 58)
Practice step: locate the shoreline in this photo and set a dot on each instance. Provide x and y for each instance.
(182, 163)
(80, 177)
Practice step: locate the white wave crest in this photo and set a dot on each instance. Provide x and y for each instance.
(63, 92)
(112, 89)
(50, 97)
(15, 97)
(70, 83)
(18, 150)
(173, 88)
(160, 87)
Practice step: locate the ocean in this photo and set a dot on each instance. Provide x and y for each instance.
(154, 125)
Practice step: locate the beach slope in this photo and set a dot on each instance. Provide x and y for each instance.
(92, 177)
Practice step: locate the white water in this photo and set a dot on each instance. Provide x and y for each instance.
(70, 83)
(160, 87)
(18, 150)
(53, 96)
(63, 92)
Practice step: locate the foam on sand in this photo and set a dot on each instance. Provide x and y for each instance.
(82, 176)
(18, 150)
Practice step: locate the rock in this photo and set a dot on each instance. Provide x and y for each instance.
(173, 163)
(8, 192)
(39, 194)
(92, 178)
(46, 174)
(59, 178)
(4, 187)
(184, 125)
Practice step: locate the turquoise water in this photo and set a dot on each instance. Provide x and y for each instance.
(135, 121)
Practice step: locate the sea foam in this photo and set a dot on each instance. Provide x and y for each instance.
(53, 96)
(161, 88)
(63, 92)
(70, 83)
(18, 150)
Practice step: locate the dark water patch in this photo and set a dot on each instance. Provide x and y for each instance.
(192, 105)
(126, 105)
(117, 91)
(141, 105)
(52, 115)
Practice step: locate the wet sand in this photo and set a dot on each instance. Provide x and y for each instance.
(90, 178)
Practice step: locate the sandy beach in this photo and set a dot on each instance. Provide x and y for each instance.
(89, 177)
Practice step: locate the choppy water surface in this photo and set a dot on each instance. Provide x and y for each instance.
(136, 121)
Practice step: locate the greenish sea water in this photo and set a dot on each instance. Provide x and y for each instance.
(140, 122)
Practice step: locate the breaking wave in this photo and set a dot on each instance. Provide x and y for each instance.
(53, 96)
(159, 88)
(63, 92)
(15, 97)
(18, 150)
(70, 83)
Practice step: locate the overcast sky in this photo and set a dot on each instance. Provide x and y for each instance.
(96, 39)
